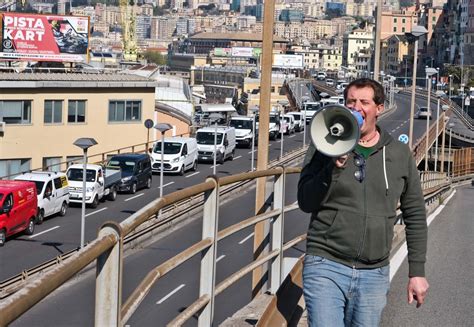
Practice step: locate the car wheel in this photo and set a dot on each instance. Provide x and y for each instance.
(31, 227)
(40, 216)
(222, 159)
(95, 202)
(232, 155)
(133, 189)
(195, 165)
(181, 171)
(113, 194)
(148, 183)
(63, 210)
(3, 237)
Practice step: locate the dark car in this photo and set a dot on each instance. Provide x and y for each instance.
(136, 171)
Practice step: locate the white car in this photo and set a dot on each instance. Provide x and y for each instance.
(53, 192)
(423, 113)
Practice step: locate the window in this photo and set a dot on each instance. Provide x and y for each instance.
(395, 29)
(125, 110)
(403, 20)
(15, 112)
(52, 163)
(76, 111)
(53, 111)
(403, 29)
(14, 166)
(395, 20)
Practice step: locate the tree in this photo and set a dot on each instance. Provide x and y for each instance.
(154, 57)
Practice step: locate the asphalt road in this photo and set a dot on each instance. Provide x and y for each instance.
(449, 270)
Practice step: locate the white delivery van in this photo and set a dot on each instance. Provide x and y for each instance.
(52, 190)
(180, 154)
(299, 120)
(290, 121)
(101, 182)
(244, 133)
(274, 125)
(225, 143)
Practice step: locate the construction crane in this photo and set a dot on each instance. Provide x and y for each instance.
(129, 42)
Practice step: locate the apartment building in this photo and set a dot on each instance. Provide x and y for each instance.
(398, 22)
(397, 55)
(355, 42)
(45, 113)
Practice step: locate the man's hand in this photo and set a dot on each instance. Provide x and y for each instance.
(417, 289)
(341, 161)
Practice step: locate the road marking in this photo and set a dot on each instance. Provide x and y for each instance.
(45, 231)
(93, 213)
(291, 136)
(270, 144)
(193, 174)
(220, 258)
(251, 151)
(238, 157)
(134, 197)
(217, 165)
(167, 184)
(245, 239)
(402, 252)
(170, 294)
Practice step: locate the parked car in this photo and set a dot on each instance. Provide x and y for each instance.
(18, 207)
(52, 189)
(321, 76)
(225, 146)
(101, 182)
(180, 154)
(329, 82)
(136, 171)
(423, 113)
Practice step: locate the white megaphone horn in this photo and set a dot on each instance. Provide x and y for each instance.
(335, 130)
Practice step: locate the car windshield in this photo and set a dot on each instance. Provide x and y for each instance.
(423, 109)
(170, 148)
(124, 164)
(208, 138)
(75, 174)
(241, 124)
(39, 185)
(274, 119)
(287, 119)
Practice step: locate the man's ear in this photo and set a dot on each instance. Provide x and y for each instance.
(380, 109)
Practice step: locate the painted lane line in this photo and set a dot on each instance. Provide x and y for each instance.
(238, 157)
(43, 232)
(93, 213)
(251, 151)
(166, 297)
(217, 165)
(402, 252)
(220, 258)
(134, 197)
(193, 174)
(167, 184)
(245, 239)
(291, 136)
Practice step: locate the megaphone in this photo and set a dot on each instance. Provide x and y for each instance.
(335, 130)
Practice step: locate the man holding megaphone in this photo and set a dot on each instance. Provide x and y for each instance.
(353, 178)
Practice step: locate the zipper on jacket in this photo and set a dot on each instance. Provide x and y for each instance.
(361, 246)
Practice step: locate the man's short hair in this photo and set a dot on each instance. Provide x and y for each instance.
(379, 95)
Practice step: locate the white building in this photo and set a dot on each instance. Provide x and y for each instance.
(354, 42)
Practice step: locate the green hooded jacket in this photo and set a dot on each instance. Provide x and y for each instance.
(352, 222)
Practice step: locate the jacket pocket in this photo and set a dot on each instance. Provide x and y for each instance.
(345, 234)
(378, 239)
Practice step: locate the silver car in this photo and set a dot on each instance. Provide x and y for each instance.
(423, 113)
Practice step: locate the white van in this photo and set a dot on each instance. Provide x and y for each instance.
(52, 190)
(299, 120)
(180, 155)
(225, 143)
(290, 122)
(244, 133)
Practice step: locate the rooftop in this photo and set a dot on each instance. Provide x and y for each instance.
(235, 37)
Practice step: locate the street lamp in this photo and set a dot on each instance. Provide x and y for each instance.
(304, 99)
(84, 143)
(445, 107)
(429, 72)
(450, 87)
(162, 128)
(450, 125)
(413, 36)
(437, 78)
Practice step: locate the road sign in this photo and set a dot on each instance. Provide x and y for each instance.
(403, 138)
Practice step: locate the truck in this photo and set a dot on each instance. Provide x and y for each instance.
(101, 183)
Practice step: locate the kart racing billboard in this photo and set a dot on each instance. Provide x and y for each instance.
(33, 37)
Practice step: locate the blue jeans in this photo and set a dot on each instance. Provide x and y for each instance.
(337, 295)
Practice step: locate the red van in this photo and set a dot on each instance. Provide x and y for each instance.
(18, 204)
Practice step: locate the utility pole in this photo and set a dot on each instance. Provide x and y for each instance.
(264, 120)
(378, 36)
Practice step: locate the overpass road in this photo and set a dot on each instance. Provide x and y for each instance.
(74, 305)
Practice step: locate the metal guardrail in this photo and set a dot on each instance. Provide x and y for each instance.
(169, 214)
(107, 251)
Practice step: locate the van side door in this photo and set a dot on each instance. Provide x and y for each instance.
(141, 175)
(48, 199)
(184, 154)
(59, 193)
(13, 219)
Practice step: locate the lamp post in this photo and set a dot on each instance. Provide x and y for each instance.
(413, 36)
(304, 99)
(162, 128)
(438, 95)
(84, 143)
(429, 72)
(450, 125)
(437, 78)
(253, 142)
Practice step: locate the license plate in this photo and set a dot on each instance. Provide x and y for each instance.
(74, 195)
(204, 158)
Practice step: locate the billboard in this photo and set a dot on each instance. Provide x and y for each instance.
(287, 61)
(33, 37)
(246, 52)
